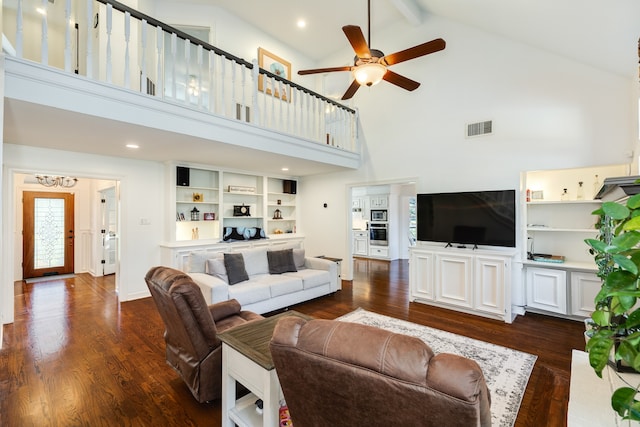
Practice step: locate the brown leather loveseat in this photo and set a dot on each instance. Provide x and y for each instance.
(336, 373)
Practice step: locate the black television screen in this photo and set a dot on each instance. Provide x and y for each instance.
(473, 217)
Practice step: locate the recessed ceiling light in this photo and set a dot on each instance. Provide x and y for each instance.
(301, 23)
(134, 146)
(285, 169)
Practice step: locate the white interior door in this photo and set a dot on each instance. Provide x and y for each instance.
(109, 229)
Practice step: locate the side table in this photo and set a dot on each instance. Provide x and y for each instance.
(246, 359)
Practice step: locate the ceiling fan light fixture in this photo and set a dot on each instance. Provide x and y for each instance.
(369, 74)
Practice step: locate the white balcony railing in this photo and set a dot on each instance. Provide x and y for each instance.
(108, 41)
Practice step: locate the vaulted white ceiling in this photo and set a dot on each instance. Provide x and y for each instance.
(601, 34)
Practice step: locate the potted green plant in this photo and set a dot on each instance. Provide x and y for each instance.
(615, 323)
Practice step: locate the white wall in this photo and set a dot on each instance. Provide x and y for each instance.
(548, 113)
(142, 195)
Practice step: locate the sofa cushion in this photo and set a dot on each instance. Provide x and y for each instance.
(215, 267)
(281, 261)
(282, 284)
(197, 262)
(251, 291)
(311, 278)
(255, 261)
(298, 258)
(234, 264)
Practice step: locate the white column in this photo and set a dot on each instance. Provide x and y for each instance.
(89, 28)
(143, 68)
(159, 75)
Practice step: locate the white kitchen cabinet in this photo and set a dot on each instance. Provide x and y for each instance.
(547, 289)
(472, 281)
(379, 202)
(360, 243)
(584, 288)
(378, 251)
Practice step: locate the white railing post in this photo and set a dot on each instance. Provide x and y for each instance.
(89, 28)
(143, 67)
(213, 82)
(223, 84)
(44, 47)
(199, 58)
(127, 38)
(67, 36)
(174, 46)
(187, 74)
(159, 76)
(109, 30)
(243, 104)
(255, 72)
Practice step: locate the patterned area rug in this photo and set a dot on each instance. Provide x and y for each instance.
(506, 371)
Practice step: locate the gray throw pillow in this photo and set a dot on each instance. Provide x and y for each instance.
(281, 261)
(298, 258)
(234, 263)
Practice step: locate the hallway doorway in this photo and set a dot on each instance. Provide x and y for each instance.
(48, 234)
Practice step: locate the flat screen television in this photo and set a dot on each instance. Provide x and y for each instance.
(468, 218)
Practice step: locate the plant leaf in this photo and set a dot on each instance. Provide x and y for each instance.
(634, 202)
(596, 244)
(628, 240)
(599, 348)
(623, 399)
(632, 224)
(625, 263)
(615, 210)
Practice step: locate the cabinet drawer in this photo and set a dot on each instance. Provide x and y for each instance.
(379, 251)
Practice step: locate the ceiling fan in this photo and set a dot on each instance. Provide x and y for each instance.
(370, 66)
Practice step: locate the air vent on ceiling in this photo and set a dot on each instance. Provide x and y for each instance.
(480, 128)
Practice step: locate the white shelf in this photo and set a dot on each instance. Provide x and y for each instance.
(242, 217)
(567, 265)
(564, 230)
(244, 413)
(565, 202)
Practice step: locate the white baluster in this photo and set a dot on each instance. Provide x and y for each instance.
(174, 47)
(213, 87)
(109, 30)
(273, 121)
(223, 84)
(143, 68)
(281, 96)
(67, 36)
(255, 72)
(89, 23)
(200, 94)
(127, 38)
(243, 103)
(234, 99)
(44, 48)
(187, 77)
(159, 76)
(19, 30)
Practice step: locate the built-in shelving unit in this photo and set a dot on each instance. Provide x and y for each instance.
(201, 194)
(210, 200)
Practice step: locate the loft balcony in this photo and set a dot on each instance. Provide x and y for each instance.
(81, 74)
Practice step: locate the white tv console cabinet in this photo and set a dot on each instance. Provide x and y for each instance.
(476, 281)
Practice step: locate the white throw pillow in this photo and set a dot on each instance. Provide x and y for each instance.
(255, 261)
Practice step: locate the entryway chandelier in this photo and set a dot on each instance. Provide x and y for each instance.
(57, 181)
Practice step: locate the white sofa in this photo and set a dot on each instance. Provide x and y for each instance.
(264, 292)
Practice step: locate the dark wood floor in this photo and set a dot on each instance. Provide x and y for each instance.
(75, 356)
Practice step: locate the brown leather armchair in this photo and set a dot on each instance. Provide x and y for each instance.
(192, 346)
(344, 374)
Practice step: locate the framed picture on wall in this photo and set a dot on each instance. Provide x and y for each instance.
(278, 66)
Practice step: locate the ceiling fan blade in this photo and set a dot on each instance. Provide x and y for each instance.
(415, 52)
(401, 81)
(357, 40)
(351, 91)
(323, 70)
